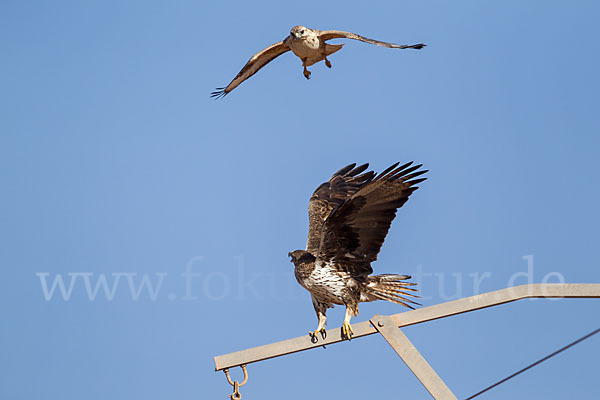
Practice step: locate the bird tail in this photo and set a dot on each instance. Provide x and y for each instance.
(332, 48)
(392, 288)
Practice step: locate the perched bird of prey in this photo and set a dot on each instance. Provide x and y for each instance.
(309, 45)
(349, 217)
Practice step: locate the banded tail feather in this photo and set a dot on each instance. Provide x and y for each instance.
(392, 288)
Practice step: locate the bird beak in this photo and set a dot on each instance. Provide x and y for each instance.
(294, 34)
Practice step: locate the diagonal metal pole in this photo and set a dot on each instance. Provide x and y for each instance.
(412, 358)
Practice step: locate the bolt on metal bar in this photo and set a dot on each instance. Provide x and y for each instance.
(412, 358)
(442, 310)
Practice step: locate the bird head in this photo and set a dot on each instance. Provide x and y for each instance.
(301, 257)
(299, 32)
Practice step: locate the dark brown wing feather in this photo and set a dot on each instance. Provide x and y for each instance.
(255, 63)
(330, 195)
(354, 232)
(332, 34)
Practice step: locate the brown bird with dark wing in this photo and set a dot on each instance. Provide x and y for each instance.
(309, 45)
(349, 218)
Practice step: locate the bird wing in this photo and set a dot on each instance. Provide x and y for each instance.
(255, 63)
(332, 34)
(330, 195)
(352, 235)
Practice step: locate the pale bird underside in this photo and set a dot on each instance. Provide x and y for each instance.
(349, 217)
(309, 45)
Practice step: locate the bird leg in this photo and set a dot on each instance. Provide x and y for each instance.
(347, 331)
(327, 62)
(320, 328)
(306, 71)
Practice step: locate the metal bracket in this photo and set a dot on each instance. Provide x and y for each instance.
(236, 385)
(411, 357)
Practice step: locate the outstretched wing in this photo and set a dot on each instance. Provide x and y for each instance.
(330, 195)
(328, 35)
(354, 232)
(255, 63)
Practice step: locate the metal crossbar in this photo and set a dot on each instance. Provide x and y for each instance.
(467, 304)
(388, 326)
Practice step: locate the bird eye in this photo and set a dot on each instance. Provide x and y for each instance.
(302, 32)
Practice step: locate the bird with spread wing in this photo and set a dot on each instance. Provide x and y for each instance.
(349, 218)
(309, 45)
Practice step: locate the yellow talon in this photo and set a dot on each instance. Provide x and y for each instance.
(347, 330)
(323, 332)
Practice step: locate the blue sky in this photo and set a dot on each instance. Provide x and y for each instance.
(115, 163)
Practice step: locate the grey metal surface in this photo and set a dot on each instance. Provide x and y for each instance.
(489, 299)
(477, 302)
(412, 358)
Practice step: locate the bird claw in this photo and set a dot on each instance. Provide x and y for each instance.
(307, 74)
(328, 63)
(313, 335)
(347, 331)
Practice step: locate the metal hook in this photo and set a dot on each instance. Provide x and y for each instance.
(236, 385)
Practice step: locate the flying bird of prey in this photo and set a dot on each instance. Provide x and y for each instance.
(309, 45)
(349, 217)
